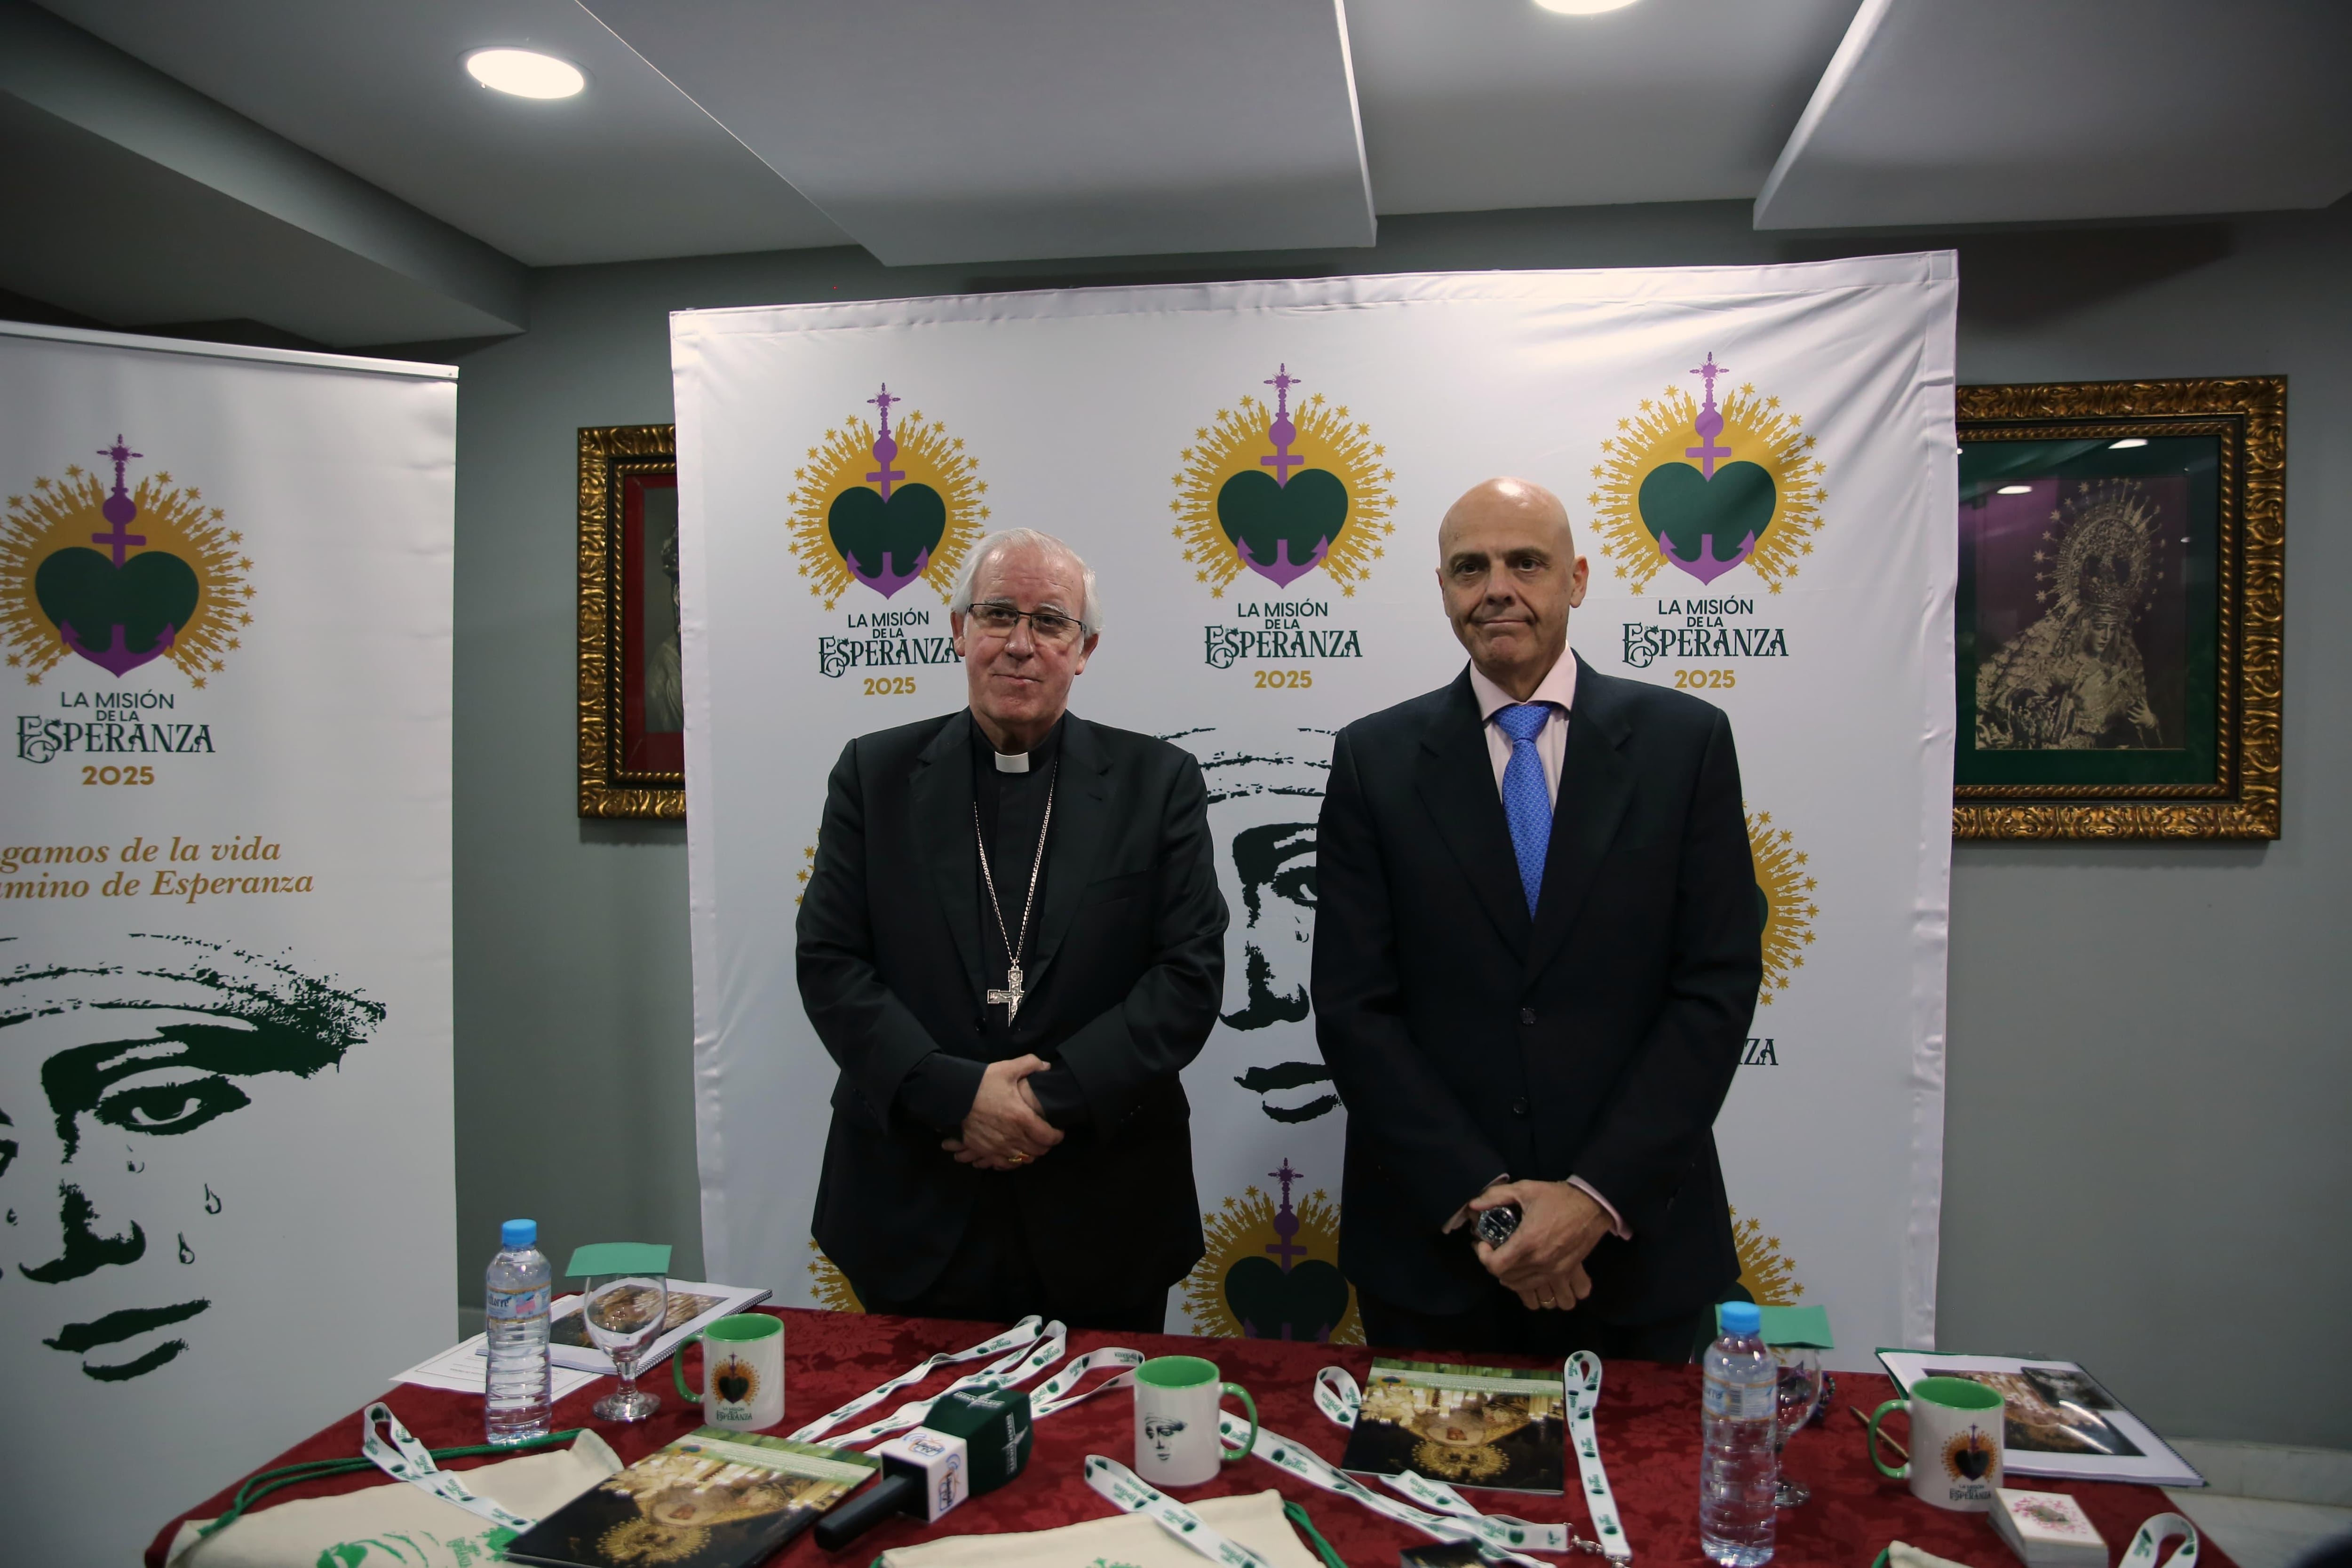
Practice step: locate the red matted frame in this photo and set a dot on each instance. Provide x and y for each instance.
(624, 770)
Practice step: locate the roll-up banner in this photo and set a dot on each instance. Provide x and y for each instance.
(1760, 463)
(225, 1149)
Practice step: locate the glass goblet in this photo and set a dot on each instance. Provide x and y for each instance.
(623, 1314)
(1798, 1393)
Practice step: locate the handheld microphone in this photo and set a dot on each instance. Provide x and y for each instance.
(973, 1441)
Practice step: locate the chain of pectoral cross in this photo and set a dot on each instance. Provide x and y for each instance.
(1010, 998)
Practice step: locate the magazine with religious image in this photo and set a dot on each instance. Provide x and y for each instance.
(714, 1499)
(693, 1305)
(1498, 1427)
(2056, 1419)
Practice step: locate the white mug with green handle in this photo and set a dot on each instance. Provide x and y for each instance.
(742, 1372)
(1956, 1443)
(1176, 1400)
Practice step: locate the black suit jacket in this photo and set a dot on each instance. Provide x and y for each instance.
(1127, 970)
(1597, 1039)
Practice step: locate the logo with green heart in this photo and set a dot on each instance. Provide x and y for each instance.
(1283, 492)
(1707, 486)
(120, 575)
(885, 507)
(1272, 1269)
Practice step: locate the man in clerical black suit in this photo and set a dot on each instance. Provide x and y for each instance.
(1013, 942)
(1536, 955)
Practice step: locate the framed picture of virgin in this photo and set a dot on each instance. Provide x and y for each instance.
(632, 702)
(2122, 591)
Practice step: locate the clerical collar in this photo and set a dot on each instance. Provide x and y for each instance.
(1036, 759)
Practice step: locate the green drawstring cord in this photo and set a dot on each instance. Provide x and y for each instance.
(259, 1487)
(1298, 1516)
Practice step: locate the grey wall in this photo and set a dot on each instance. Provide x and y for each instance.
(2144, 1164)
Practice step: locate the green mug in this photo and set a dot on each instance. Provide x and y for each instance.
(742, 1372)
(1956, 1443)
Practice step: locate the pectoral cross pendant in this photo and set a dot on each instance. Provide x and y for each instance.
(1010, 998)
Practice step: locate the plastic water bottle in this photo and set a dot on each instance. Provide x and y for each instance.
(514, 1307)
(1738, 1470)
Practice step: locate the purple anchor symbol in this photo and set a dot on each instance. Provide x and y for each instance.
(1704, 564)
(1285, 1219)
(1271, 524)
(886, 534)
(78, 585)
(885, 448)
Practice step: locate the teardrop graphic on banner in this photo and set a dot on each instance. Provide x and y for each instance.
(212, 1199)
(187, 1253)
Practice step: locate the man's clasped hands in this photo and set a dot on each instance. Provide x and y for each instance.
(1005, 1128)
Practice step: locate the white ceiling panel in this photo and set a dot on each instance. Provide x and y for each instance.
(1470, 105)
(629, 169)
(946, 131)
(1951, 112)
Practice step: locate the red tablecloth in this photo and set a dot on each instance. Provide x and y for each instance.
(1649, 1439)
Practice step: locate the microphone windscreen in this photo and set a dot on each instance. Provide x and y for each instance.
(995, 1426)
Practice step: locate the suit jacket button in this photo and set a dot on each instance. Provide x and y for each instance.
(1519, 1106)
(1527, 1014)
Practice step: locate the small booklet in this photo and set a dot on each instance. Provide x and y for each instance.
(692, 1305)
(1491, 1427)
(2056, 1419)
(714, 1499)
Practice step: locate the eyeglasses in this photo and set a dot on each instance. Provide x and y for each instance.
(1048, 625)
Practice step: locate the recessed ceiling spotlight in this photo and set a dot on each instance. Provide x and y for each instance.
(2015, 490)
(2126, 443)
(526, 73)
(1583, 7)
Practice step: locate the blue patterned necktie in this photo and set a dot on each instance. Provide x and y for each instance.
(1527, 802)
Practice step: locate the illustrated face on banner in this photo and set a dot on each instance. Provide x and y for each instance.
(1266, 790)
(117, 1075)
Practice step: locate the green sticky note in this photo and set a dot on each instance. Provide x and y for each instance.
(1796, 1326)
(620, 1257)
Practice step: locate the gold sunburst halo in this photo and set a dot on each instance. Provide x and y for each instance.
(1768, 1274)
(58, 514)
(928, 455)
(1788, 889)
(1755, 430)
(1244, 1227)
(1327, 439)
(829, 1284)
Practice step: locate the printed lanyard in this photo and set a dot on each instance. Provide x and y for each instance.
(1129, 1491)
(2153, 1533)
(1011, 1371)
(405, 1459)
(1582, 1383)
(1452, 1518)
(1025, 1333)
(1058, 1392)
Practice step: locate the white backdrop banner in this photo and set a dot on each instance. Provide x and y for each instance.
(225, 1150)
(1759, 461)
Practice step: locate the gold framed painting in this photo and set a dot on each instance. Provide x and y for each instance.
(2121, 604)
(632, 699)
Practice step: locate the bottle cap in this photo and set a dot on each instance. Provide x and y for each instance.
(519, 1233)
(1741, 1318)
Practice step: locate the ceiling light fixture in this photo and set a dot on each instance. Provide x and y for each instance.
(1583, 7)
(526, 73)
(2126, 443)
(2015, 490)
